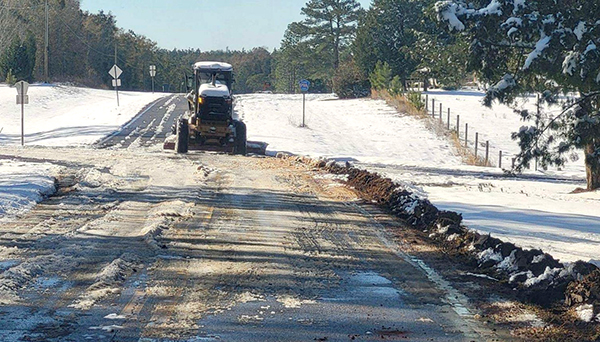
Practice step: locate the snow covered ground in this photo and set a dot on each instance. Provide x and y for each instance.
(65, 116)
(22, 185)
(56, 116)
(537, 211)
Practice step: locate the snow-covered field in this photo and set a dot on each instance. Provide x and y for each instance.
(64, 115)
(56, 116)
(536, 211)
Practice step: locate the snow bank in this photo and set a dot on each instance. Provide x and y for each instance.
(22, 185)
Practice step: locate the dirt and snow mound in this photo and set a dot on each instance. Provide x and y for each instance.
(537, 276)
(108, 280)
(162, 217)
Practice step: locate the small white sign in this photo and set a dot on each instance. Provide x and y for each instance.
(115, 71)
(153, 68)
(116, 83)
(22, 87)
(25, 99)
(152, 73)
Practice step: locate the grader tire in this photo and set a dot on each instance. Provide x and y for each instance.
(240, 138)
(183, 136)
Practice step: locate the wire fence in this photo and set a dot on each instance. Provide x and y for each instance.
(486, 153)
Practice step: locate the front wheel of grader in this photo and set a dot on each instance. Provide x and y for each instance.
(240, 138)
(183, 135)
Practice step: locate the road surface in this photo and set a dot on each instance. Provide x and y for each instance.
(142, 244)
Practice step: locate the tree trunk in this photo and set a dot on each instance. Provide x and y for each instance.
(592, 166)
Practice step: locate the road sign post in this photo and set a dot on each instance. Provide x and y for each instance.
(115, 72)
(22, 99)
(152, 74)
(304, 87)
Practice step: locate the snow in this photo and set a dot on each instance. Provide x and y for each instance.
(508, 81)
(591, 47)
(58, 115)
(537, 210)
(585, 312)
(570, 62)
(580, 30)
(540, 46)
(513, 21)
(512, 31)
(217, 90)
(22, 185)
(493, 8)
(518, 4)
(349, 130)
(448, 11)
(213, 65)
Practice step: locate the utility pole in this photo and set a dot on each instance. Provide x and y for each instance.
(116, 81)
(46, 48)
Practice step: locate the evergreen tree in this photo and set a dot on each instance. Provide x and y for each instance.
(331, 25)
(546, 46)
(19, 59)
(404, 35)
(381, 76)
(387, 34)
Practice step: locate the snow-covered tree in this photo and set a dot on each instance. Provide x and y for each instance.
(545, 46)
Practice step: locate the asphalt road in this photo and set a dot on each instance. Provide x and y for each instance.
(147, 245)
(151, 126)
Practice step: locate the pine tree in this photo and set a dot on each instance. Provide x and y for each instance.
(19, 59)
(545, 46)
(401, 34)
(331, 25)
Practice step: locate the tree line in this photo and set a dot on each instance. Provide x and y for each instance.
(337, 47)
(82, 48)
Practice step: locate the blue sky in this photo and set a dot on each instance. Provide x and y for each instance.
(205, 24)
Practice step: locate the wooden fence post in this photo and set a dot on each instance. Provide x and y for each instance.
(426, 103)
(476, 143)
(466, 135)
(487, 152)
(500, 160)
(433, 107)
(441, 113)
(458, 125)
(448, 118)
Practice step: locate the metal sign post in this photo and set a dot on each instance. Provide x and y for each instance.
(304, 86)
(152, 74)
(115, 72)
(22, 99)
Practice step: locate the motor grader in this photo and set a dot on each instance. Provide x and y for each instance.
(210, 124)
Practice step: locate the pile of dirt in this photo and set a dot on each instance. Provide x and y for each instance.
(537, 276)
